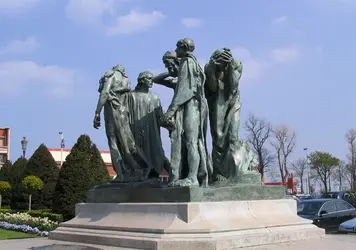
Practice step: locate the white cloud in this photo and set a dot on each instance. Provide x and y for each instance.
(89, 12)
(279, 20)
(95, 12)
(253, 67)
(286, 54)
(191, 22)
(17, 76)
(135, 21)
(28, 45)
(7, 6)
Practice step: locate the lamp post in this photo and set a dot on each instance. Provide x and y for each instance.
(24, 146)
(308, 177)
(62, 146)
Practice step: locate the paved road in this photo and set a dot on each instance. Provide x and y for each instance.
(330, 242)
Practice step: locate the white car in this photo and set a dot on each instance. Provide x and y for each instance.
(348, 226)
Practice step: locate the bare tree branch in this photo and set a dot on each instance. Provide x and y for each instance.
(299, 167)
(351, 141)
(342, 174)
(284, 143)
(258, 131)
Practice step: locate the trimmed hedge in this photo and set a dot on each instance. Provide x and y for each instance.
(37, 213)
(51, 216)
(5, 210)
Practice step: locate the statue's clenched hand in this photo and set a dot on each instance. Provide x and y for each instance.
(96, 122)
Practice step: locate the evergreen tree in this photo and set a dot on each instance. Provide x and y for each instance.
(43, 165)
(83, 169)
(98, 167)
(5, 176)
(5, 171)
(18, 200)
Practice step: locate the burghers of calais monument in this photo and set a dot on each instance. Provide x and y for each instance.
(215, 202)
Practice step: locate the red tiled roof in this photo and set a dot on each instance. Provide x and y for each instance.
(278, 183)
(111, 170)
(68, 150)
(164, 173)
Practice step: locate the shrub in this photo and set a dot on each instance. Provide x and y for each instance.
(51, 216)
(42, 165)
(36, 213)
(83, 169)
(32, 184)
(5, 171)
(18, 200)
(5, 187)
(5, 210)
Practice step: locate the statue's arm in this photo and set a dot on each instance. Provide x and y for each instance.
(182, 87)
(211, 81)
(104, 94)
(161, 80)
(235, 73)
(159, 112)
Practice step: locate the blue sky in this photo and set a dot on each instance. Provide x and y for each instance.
(298, 61)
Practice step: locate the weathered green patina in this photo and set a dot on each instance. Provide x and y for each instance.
(129, 161)
(231, 157)
(119, 194)
(188, 112)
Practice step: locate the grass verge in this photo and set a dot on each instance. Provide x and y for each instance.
(7, 235)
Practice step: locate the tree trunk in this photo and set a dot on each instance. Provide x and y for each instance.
(282, 176)
(340, 179)
(301, 185)
(29, 202)
(0, 200)
(325, 182)
(329, 184)
(261, 164)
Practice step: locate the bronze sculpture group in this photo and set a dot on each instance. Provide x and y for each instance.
(133, 120)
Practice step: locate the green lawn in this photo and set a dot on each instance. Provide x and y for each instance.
(7, 235)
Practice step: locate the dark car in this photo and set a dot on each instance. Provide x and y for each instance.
(326, 213)
(348, 196)
(304, 197)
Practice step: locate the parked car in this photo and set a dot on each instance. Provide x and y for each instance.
(348, 226)
(348, 196)
(304, 196)
(292, 197)
(326, 213)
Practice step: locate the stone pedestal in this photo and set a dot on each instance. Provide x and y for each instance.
(116, 193)
(218, 225)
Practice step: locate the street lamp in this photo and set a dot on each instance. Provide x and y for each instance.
(62, 146)
(24, 146)
(308, 177)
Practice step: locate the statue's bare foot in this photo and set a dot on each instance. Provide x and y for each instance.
(187, 182)
(220, 178)
(172, 183)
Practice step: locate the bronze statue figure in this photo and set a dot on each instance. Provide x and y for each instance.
(133, 120)
(188, 112)
(145, 116)
(128, 161)
(231, 157)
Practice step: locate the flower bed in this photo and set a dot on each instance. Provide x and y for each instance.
(43, 224)
(23, 228)
(36, 213)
